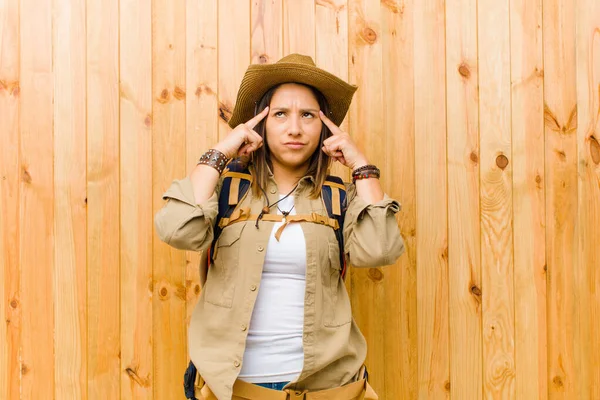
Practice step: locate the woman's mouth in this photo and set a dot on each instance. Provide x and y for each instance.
(295, 145)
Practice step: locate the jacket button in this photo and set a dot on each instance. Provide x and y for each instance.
(244, 327)
(273, 190)
(260, 248)
(236, 363)
(253, 288)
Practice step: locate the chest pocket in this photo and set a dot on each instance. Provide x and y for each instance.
(336, 308)
(222, 274)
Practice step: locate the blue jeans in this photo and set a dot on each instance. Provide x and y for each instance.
(274, 386)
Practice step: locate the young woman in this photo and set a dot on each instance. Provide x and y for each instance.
(274, 318)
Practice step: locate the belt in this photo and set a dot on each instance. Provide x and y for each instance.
(359, 390)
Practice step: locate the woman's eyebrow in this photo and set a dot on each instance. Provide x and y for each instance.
(301, 110)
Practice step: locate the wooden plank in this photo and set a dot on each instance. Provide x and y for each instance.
(560, 115)
(135, 70)
(331, 24)
(496, 199)
(70, 213)
(464, 240)
(10, 174)
(587, 276)
(36, 245)
(234, 55)
(103, 241)
(299, 27)
(367, 129)
(202, 124)
(267, 31)
(431, 199)
(528, 198)
(400, 367)
(169, 152)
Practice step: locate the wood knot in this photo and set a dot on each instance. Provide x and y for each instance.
(502, 161)
(148, 120)
(24, 369)
(197, 289)
(558, 382)
(15, 90)
(545, 268)
(368, 35)
(447, 386)
(164, 96)
(224, 112)
(133, 375)
(163, 292)
(475, 291)
(375, 274)
(14, 303)
(594, 150)
(474, 157)
(263, 59)
(464, 71)
(179, 93)
(25, 176)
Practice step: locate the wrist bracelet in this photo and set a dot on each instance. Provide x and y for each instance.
(365, 175)
(363, 168)
(214, 158)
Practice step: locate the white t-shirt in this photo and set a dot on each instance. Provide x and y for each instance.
(274, 350)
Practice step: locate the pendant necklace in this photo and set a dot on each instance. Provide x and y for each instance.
(266, 209)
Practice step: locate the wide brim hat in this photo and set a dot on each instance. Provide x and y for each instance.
(294, 68)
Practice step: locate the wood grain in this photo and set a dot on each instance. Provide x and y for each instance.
(36, 233)
(431, 194)
(202, 124)
(168, 163)
(587, 276)
(400, 342)
(367, 129)
(299, 27)
(10, 168)
(266, 31)
(135, 69)
(496, 200)
(560, 119)
(70, 191)
(464, 232)
(528, 198)
(103, 163)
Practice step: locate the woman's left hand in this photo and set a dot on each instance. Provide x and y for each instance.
(341, 147)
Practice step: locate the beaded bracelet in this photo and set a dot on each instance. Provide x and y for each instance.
(214, 158)
(367, 173)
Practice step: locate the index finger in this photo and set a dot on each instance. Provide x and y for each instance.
(335, 130)
(257, 118)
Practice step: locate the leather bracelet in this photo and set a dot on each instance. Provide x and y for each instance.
(214, 158)
(364, 167)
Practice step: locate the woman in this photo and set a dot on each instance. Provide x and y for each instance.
(274, 313)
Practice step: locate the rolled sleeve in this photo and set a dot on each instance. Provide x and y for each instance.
(182, 223)
(371, 234)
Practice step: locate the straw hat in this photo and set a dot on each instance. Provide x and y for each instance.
(259, 78)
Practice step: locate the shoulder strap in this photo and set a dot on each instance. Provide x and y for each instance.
(334, 197)
(236, 182)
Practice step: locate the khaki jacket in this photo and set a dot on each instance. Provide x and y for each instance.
(334, 348)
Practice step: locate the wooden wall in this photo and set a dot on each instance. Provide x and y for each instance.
(484, 117)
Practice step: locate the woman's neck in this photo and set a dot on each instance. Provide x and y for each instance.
(287, 179)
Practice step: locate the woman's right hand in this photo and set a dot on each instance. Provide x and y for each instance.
(242, 140)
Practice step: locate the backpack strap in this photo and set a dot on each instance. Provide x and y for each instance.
(236, 182)
(334, 197)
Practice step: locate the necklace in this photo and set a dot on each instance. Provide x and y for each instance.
(266, 209)
(285, 213)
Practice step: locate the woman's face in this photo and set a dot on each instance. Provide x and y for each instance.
(293, 126)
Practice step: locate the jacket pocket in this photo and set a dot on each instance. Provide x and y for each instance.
(222, 273)
(337, 309)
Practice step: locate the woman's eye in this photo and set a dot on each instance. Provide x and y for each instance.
(278, 114)
(307, 115)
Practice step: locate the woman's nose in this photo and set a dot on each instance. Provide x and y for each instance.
(295, 127)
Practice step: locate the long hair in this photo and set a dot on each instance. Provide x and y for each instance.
(319, 162)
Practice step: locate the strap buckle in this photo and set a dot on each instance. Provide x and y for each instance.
(296, 394)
